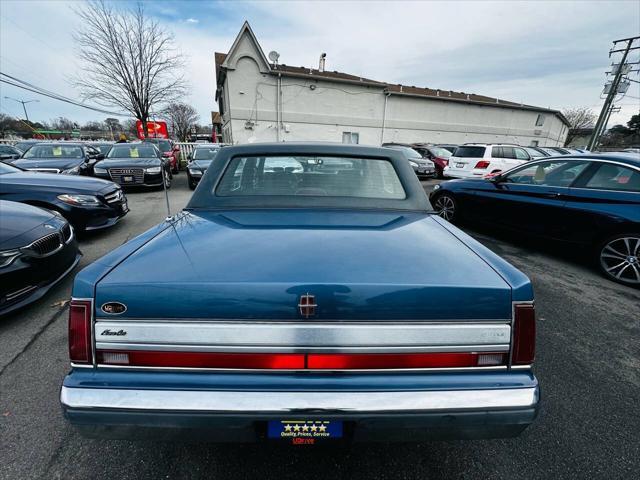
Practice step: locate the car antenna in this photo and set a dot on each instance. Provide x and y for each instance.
(166, 196)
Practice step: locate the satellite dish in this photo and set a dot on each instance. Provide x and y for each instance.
(274, 56)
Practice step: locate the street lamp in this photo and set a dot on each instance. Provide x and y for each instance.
(24, 103)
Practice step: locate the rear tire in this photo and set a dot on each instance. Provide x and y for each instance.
(439, 173)
(446, 206)
(618, 258)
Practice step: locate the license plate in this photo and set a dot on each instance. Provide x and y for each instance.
(304, 431)
(127, 179)
(460, 165)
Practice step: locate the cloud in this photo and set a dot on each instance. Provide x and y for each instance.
(541, 53)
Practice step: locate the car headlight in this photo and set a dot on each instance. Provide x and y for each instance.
(72, 171)
(79, 200)
(152, 170)
(8, 256)
(436, 187)
(413, 164)
(195, 171)
(98, 170)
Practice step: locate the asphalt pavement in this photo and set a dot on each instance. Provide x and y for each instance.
(588, 364)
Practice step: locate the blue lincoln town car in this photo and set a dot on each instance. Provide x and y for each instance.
(303, 314)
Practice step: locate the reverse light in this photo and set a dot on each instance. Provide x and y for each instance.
(482, 164)
(80, 331)
(524, 334)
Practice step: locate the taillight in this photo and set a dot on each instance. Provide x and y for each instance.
(482, 164)
(80, 331)
(524, 334)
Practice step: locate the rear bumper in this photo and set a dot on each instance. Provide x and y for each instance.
(242, 415)
(458, 173)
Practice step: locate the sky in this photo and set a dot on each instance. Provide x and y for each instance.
(544, 53)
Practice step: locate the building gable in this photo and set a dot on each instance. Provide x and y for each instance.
(246, 45)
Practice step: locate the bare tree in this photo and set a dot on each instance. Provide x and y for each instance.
(181, 117)
(128, 60)
(579, 118)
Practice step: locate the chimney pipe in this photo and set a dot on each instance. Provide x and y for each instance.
(323, 57)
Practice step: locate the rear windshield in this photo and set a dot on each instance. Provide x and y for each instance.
(133, 151)
(205, 153)
(469, 152)
(54, 151)
(310, 176)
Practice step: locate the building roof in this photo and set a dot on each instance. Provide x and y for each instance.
(393, 89)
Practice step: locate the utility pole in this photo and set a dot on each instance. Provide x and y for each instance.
(607, 108)
(24, 103)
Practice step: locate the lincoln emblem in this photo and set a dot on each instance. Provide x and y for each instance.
(307, 305)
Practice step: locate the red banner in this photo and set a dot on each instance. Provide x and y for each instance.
(155, 129)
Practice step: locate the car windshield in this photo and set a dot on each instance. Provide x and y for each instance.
(163, 145)
(469, 152)
(440, 152)
(310, 176)
(132, 151)
(201, 153)
(6, 168)
(54, 151)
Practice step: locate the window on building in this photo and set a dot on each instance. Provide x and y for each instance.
(534, 143)
(350, 137)
(540, 120)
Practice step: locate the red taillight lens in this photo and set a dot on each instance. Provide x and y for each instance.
(271, 361)
(80, 331)
(482, 164)
(400, 360)
(524, 334)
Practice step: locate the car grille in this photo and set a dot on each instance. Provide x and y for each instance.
(67, 233)
(118, 174)
(114, 197)
(46, 245)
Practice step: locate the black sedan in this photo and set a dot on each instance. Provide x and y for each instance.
(589, 200)
(87, 203)
(60, 157)
(9, 153)
(135, 164)
(199, 161)
(37, 249)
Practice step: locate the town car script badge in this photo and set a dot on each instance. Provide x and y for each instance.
(307, 305)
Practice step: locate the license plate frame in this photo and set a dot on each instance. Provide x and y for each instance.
(305, 431)
(128, 179)
(460, 165)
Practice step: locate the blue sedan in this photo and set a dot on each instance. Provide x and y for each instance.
(588, 200)
(303, 313)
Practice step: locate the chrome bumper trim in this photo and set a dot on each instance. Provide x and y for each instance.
(229, 402)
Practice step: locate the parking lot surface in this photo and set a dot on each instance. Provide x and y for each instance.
(588, 364)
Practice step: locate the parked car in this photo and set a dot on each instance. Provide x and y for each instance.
(536, 153)
(135, 164)
(438, 155)
(169, 150)
(87, 203)
(422, 167)
(589, 200)
(296, 307)
(103, 147)
(448, 146)
(37, 249)
(479, 159)
(59, 157)
(553, 152)
(25, 145)
(199, 161)
(8, 153)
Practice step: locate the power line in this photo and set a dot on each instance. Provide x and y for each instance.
(16, 82)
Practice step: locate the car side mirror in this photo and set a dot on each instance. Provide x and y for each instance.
(497, 178)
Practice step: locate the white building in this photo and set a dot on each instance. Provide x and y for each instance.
(261, 101)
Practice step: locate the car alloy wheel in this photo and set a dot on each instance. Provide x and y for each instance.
(445, 206)
(620, 259)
